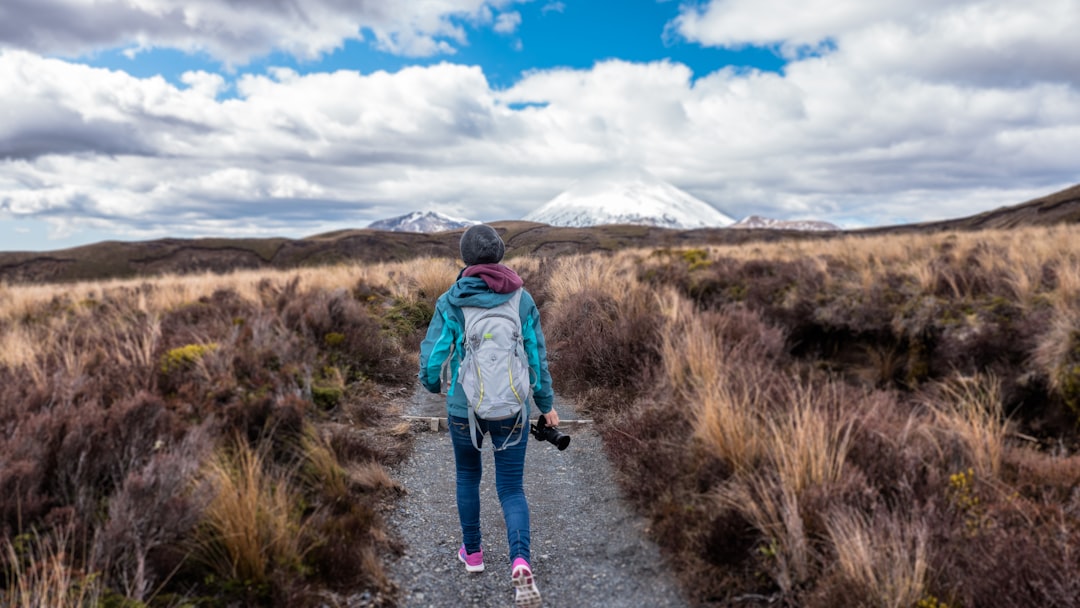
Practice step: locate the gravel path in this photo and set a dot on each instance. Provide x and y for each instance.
(588, 548)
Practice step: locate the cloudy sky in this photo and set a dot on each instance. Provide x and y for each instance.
(137, 119)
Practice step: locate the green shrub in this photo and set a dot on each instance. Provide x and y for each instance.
(185, 356)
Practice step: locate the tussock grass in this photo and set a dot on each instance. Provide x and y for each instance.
(885, 560)
(808, 444)
(169, 292)
(968, 410)
(320, 466)
(596, 274)
(774, 511)
(429, 278)
(41, 571)
(725, 396)
(371, 476)
(693, 356)
(728, 422)
(17, 347)
(1058, 352)
(252, 526)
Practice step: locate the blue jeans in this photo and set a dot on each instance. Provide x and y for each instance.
(509, 474)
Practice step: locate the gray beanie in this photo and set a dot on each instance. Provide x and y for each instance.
(481, 245)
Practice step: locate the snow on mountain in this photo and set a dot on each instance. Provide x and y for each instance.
(627, 198)
(756, 221)
(421, 221)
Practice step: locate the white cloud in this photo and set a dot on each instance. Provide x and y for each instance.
(557, 7)
(507, 23)
(238, 30)
(977, 41)
(205, 83)
(943, 110)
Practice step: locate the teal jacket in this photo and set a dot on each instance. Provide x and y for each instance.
(443, 343)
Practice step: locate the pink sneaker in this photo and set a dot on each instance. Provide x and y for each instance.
(474, 562)
(526, 595)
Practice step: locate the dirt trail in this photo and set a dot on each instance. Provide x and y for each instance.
(588, 548)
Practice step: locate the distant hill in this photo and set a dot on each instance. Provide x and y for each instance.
(1058, 208)
(112, 259)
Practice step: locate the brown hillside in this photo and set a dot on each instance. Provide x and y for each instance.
(1059, 208)
(112, 259)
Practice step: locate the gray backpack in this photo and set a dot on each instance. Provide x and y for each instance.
(495, 370)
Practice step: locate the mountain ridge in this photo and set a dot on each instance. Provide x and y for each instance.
(421, 221)
(757, 221)
(117, 259)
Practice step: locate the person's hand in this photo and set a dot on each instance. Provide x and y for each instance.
(552, 418)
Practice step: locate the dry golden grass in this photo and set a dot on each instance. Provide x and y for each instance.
(371, 476)
(139, 348)
(428, 278)
(913, 253)
(774, 512)
(885, 561)
(1059, 349)
(598, 274)
(17, 346)
(728, 422)
(693, 357)
(1027, 251)
(1067, 295)
(19, 340)
(321, 467)
(727, 416)
(41, 574)
(969, 412)
(253, 524)
(809, 443)
(168, 292)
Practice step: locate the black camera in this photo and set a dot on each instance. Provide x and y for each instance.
(551, 434)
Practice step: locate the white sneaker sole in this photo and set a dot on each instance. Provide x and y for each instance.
(526, 595)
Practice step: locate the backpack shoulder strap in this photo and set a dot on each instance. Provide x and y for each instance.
(510, 309)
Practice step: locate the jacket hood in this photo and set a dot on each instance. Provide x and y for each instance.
(498, 277)
(473, 291)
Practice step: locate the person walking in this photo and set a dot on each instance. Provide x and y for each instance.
(486, 283)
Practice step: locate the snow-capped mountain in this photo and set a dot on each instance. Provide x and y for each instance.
(627, 198)
(756, 221)
(421, 221)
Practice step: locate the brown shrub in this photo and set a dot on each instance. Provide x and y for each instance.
(108, 416)
(217, 316)
(1019, 553)
(781, 291)
(346, 334)
(279, 420)
(345, 545)
(598, 341)
(140, 544)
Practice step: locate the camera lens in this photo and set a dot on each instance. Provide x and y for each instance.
(550, 434)
(560, 440)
